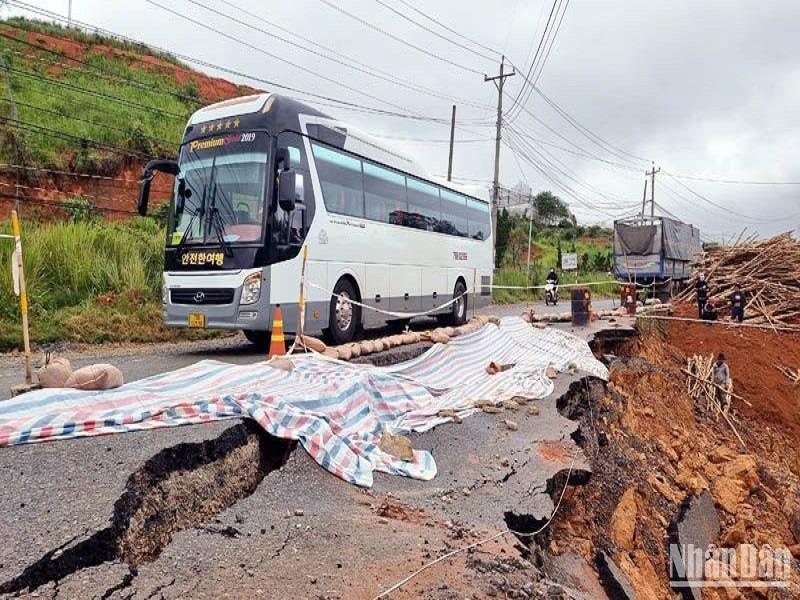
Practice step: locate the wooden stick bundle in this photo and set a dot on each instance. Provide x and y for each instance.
(768, 272)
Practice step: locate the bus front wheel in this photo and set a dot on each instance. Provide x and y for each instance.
(344, 317)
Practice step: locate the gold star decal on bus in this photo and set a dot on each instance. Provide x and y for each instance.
(203, 129)
(219, 125)
(236, 122)
(228, 124)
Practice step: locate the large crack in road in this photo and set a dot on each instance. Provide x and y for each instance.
(179, 488)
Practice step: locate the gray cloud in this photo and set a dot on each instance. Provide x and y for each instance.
(705, 88)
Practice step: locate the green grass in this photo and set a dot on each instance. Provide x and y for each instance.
(88, 281)
(86, 116)
(592, 245)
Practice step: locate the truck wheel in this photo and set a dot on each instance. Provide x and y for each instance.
(344, 317)
(459, 307)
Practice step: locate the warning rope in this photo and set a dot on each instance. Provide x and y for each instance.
(390, 313)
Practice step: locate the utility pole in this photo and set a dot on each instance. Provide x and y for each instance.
(644, 197)
(499, 81)
(452, 136)
(652, 174)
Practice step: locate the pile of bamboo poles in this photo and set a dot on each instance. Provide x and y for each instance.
(768, 272)
(708, 396)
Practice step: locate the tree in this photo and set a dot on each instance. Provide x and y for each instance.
(504, 224)
(550, 209)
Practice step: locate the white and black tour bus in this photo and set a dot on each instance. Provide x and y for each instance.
(260, 177)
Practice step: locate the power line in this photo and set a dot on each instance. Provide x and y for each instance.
(397, 38)
(730, 181)
(436, 33)
(588, 133)
(88, 122)
(329, 54)
(451, 30)
(41, 128)
(316, 98)
(103, 74)
(533, 61)
(556, 181)
(64, 205)
(61, 173)
(728, 210)
(83, 90)
(532, 80)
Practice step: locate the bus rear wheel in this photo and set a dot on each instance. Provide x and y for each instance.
(344, 317)
(459, 307)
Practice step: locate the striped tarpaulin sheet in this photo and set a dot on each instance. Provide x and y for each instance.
(337, 411)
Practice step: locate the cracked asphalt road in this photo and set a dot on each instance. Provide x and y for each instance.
(343, 546)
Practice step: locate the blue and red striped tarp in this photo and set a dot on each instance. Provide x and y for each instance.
(337, 411)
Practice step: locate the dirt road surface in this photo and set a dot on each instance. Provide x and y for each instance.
(220, 510)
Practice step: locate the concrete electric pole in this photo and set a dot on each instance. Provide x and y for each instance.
(452, 136)
(499, 81)
(652, 174)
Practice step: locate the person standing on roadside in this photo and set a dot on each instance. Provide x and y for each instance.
(738, 301)
(722, 379)
(701, 288)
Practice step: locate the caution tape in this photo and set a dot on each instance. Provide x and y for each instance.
(390, 313)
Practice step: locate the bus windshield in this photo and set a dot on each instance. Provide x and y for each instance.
(220, 192)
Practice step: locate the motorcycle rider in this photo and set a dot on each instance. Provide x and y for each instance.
(701, 288)
(552, 279)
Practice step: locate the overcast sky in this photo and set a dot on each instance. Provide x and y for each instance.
(707, 89)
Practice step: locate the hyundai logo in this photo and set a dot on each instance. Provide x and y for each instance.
(199, 297)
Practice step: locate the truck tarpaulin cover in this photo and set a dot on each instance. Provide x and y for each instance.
(637, 240)
(681, 241)
(337, 411)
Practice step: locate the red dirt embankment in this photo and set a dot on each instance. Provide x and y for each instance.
(753, 356)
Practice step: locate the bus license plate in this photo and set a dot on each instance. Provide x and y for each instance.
(197, 320)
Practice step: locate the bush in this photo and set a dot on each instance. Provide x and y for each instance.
(80, 210)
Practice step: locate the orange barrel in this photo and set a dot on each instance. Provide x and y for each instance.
(581, 306)
(627, 297)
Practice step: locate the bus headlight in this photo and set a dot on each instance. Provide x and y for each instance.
(251, 290)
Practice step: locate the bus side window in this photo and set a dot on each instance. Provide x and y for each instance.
(341, 178)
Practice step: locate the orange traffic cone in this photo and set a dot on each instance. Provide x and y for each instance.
(277, 343)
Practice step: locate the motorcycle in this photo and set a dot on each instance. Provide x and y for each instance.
(550, 293)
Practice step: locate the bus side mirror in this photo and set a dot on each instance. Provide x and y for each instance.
(287, 190)
(169, 167)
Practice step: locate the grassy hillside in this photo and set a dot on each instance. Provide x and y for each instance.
(89, 103)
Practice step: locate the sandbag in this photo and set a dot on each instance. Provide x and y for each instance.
(355, 350)
(344, 352)
(367, 347)
(54, 373)
(313, 343)
(101, 376)
(378, 345)
(439, 337)
(282, 363)
(448, 331)
(409, 338)
(331, 353)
